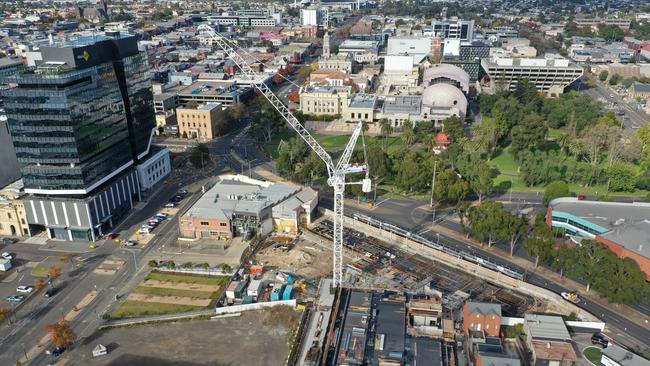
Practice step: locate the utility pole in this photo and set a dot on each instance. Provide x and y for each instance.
(433, 187)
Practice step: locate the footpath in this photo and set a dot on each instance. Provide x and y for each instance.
(571, 285)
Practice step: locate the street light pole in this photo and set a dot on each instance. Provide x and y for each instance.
(433, 187)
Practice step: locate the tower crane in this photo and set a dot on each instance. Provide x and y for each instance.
(336, 171)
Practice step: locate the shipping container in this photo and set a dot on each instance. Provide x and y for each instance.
(288, 293)
(276, 294)
(230, 291)
(248, 300)
(255, 288)
(240, 290)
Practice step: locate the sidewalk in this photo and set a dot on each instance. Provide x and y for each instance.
(628, 312)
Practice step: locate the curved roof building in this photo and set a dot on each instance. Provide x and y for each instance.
(446, 74)
(440, 101)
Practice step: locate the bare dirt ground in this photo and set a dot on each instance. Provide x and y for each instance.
(180, 285)
(304, 258)
(254, 338)
(177, 300)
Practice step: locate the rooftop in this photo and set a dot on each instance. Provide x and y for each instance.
(363, 101)
(627, 224)
(554, 351)
(624, 357)
(206, 88)
(545, 327)
(483, 308)
(238, 194)
(641, 88)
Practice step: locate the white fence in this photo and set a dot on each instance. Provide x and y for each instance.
(198, 271)
(255, 306)
(596, 326)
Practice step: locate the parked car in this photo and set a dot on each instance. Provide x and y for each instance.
(170, 204)
(182, 191)
(582, 197)
(152, 223)
(111, 236)
(599, 338)
(15, 298)
(145, 230)
(25, 289)
(130, 243)
(7, 241)
(56, 352)
(51, 291)
(6, 255)
(162, 214)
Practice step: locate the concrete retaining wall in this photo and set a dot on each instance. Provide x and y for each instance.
(555, 301)
(255, 306)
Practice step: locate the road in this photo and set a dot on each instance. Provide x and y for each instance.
(38, 312)
(633, 118)
(410, 215)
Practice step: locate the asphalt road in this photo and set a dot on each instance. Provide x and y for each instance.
(632, 118)
(38, 312)
(408, 215)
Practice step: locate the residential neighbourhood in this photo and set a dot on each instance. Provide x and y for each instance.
(325, 182)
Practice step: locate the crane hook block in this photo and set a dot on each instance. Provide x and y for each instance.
(366, 185)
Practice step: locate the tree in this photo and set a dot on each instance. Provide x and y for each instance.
(408, 133)
(615, 79)
(527, 94)
(623, 145)
(5, 313)
(40, 284)
(53, 273)
(265, 120)
(67, 257)
(481, 179)
(171, 265)
(386, 129)
(199, 156)
(603, 75)
(225, 268)
(153, 263)
(593, 142)
(555, 190)
(622, 177)
(540, 244)
(453, 127)
(486, 222)
(378, 162)
(530, 134)
(186, 265)
(486, 136)
(514, 227)
(611, 33)
(450, 188)
(61, 334)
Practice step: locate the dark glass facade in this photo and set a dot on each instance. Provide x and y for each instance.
(75, 127)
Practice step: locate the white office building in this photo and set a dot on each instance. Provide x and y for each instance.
(417, 47)
(154, 169)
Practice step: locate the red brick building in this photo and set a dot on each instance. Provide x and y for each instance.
(482, 317)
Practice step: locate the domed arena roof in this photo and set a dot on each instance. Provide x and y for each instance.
(447, 71)
(444, 96)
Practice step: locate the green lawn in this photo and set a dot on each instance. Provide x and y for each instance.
(506, 163)
(555, 133)
(159, 291)
(507, 166)
(132, 309)
(172, 277)
(39, 271)
(593, 355)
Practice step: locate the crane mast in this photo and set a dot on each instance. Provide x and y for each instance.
(336, 172)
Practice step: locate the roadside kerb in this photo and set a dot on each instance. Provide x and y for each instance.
(557, 303)
(156, 318)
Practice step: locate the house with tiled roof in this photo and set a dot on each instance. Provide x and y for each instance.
(482, 317)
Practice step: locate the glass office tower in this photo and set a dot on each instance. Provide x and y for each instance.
(80, 121)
